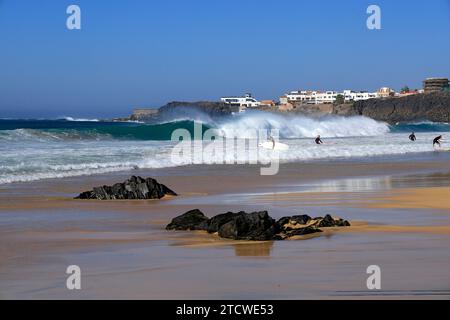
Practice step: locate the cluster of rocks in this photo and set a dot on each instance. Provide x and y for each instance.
(133, 188)
(253, 226)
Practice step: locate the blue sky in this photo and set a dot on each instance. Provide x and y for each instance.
(146, 53)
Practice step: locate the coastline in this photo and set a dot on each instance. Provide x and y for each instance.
(123, 243)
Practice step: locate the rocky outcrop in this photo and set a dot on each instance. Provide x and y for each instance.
(249, 226)
(430, 106)
(303, 224)
(133, 188)
(210, 107)
(191, 220)
(147, 114)
(218, 221)
(254, 226)
(177, 109)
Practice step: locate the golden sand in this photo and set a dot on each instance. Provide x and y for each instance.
(425, 198)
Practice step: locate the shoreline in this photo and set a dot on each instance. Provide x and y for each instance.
(123, 243)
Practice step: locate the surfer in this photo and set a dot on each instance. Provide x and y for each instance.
(412, 137)
(318, 140)
(437, 141)
(273, 141)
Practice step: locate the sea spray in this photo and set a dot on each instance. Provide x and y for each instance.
(296, 126)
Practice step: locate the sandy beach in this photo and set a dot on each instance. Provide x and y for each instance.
(400, 215)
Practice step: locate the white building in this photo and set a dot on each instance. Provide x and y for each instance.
(246, 101)
(385, 92)
(327, 97)
(303, 96)
(284, 100)
(350, 95)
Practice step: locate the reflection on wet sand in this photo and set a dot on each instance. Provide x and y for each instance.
(380, 183)
(353, 185)
(258, 249)
(198, 239)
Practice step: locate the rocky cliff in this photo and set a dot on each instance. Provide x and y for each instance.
(180, 108)
(209, 107)
(430, 106)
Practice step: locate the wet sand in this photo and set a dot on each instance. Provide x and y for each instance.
(426, 198)
(399, 212)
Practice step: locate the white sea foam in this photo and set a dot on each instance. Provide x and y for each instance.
(32, 154)
(26, 162)
(304, 127)
(80, 119)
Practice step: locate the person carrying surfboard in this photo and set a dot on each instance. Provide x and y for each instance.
(412, 137)
(437, 141)
(318, 140)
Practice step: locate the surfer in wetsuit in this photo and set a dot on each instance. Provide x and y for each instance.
(318, 140)
(437, 141)
(412, 137)
(273, 141)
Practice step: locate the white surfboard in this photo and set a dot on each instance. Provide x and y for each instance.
(278, 146)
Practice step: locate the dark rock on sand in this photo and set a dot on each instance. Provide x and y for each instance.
(295, 226)
(301, 219)
(304, 224)
(254, 226)
(238, 226)
(249, 226)
(133, 188)
(301, 231)
(216, 222)
(328, 222)
(191, 220)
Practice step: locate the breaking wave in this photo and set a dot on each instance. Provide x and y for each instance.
(42, 149)
(288, 126)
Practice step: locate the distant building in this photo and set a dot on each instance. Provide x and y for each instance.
(270, 103)
(435, 84)
(326, 97)
(408, 93)
(244, 102)
(385, 92)
(302, 96)
(283, 100)
(350, 95)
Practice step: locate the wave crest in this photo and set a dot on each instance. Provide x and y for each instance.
(295, 126)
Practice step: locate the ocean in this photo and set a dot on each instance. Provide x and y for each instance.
(34, 149)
